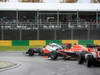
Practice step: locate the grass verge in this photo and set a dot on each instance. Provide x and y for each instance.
(17, 48)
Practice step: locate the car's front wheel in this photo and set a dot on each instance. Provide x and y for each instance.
(31, 52)
(81, 58)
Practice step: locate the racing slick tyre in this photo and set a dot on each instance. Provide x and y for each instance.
(41, 53)
(53, 55)
(89, 61)
(81, 59)
(31, 52)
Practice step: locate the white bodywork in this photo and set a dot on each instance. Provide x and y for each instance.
(53, 47)
(95, 54)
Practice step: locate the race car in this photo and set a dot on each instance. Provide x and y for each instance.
(68, 53)
(32, 51)
(90, 57)
(45, 50)
(51, 47)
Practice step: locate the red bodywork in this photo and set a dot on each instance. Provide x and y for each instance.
(45, 51)
(72, 52)
(95, 50)
(75, 48)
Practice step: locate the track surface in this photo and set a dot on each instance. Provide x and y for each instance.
(37, 65)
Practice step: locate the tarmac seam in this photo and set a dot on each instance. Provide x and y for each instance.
(9, 68)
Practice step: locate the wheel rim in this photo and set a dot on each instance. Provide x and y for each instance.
(52, 56)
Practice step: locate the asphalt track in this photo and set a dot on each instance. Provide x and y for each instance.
(37, 65)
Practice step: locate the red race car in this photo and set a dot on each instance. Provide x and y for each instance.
(91, 57)
(67, 52)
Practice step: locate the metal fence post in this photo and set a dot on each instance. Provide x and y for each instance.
(17, 20)
(97, 17)
(37, 25)
(55, 31)
(2, 32)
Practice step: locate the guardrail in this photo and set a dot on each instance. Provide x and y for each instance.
(49, 25)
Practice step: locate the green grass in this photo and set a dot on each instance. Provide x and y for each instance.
(17, 48)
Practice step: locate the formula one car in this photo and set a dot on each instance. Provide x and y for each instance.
(51, 47)
(90, 57)
(32, 51)
(45, 50)
(67, 53)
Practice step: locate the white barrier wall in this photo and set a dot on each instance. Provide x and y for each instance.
(54, 1)
(51, 1)
(84, 1)
(13, 0)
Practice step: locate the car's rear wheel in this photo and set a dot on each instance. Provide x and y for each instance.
(89, 61)
(53, 55)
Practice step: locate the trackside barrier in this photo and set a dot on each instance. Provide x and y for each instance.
(5, 43)
(97, 42)
(37, 42)
(70, 41)
(53, 41)
(45, 42)
(20, 42)
(85, 42)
